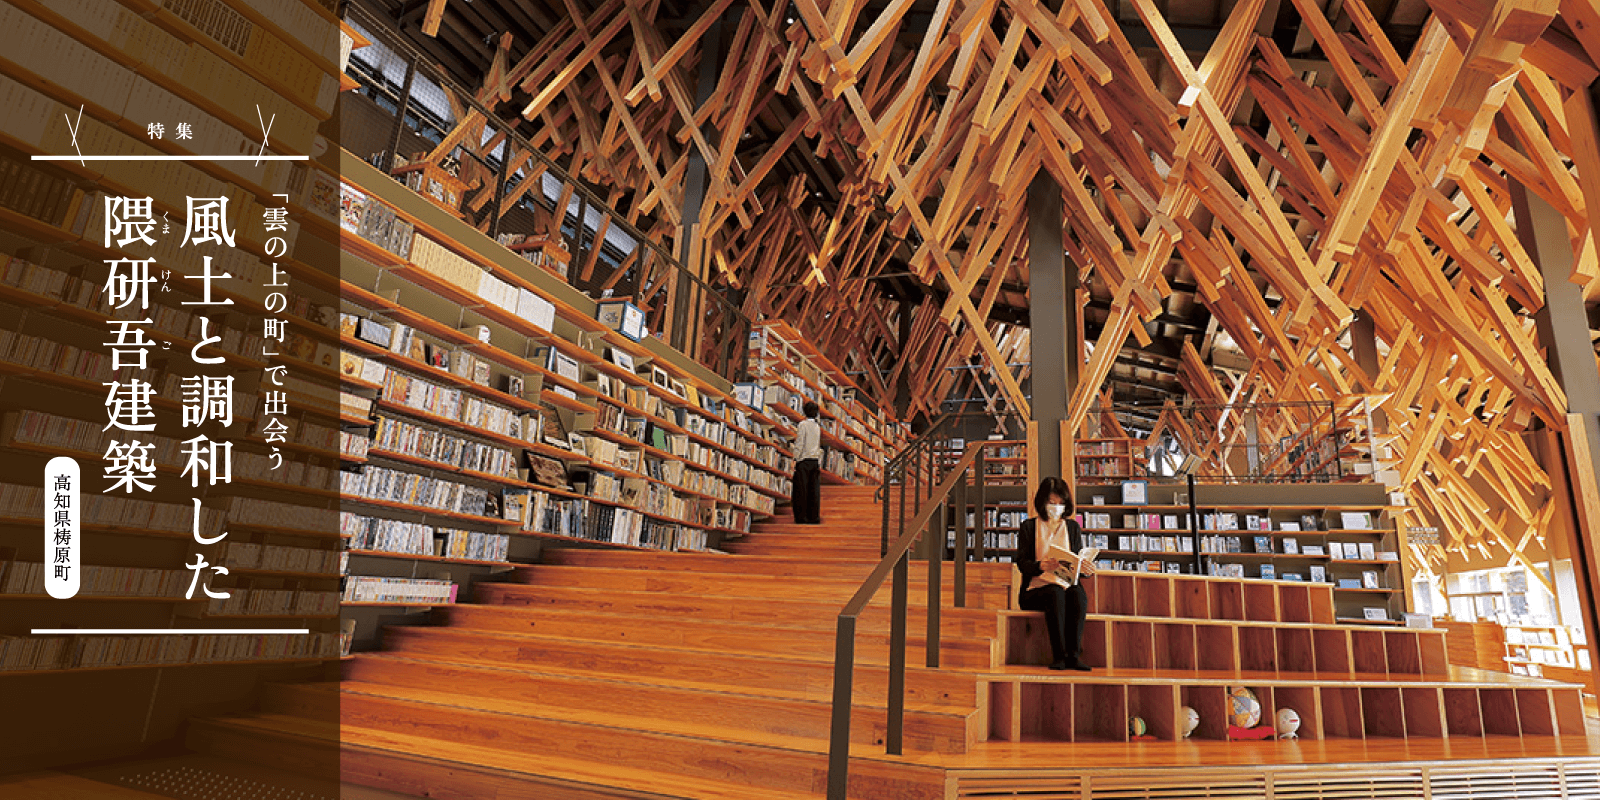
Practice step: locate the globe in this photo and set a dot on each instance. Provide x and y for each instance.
(1244, 710)
(1136, 726)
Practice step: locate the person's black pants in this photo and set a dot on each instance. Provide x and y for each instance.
(1064, 612)
(807, 500)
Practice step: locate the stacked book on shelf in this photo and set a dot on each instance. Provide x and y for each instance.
(278, 558)
(395, 435)
(401, 537)
(27, 577)
(273, 603)
(421, 591)
(33, 653)
(411, 489)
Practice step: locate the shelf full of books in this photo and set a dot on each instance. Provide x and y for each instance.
(788, 371)
(1349, 544)
(1101, 461)
(501, 408)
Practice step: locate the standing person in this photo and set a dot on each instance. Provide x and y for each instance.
(807, 500)
(1064, 607)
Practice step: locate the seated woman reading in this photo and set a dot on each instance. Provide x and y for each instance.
(1053, 532)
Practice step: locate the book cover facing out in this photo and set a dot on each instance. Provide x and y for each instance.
(171, 414)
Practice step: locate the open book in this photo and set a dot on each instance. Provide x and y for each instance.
(1069, 571)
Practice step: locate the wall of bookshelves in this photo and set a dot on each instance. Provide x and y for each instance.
(490, 410)
(1341, 534)
(788, 371)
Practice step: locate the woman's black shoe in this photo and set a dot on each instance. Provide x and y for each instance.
(1060, 665)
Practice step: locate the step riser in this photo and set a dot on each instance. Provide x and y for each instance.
(694, 758)
(412, 778)
(752, 639)
(309, 701)
(378, 769)
(730, 585)
(794, 613)
(813, 679)
(746, 608)
(987, 574)
(768, 715)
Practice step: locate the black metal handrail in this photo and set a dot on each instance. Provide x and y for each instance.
(929, 520)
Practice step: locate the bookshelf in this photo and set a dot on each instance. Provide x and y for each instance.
(493, 383)
(1104, 461)
(788, 371)
(1339, 534)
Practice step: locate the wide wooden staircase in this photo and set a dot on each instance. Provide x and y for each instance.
(608, 673)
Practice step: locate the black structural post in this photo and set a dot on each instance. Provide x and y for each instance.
(1052, 317)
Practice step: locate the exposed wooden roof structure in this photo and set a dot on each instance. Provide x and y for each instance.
(1240, 181)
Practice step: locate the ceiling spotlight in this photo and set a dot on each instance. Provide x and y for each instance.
(789, 21)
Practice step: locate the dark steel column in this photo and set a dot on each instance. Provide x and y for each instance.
(902, 387)
(1364, 341)
(1052, 317)
(1563, 328)
(686, 307)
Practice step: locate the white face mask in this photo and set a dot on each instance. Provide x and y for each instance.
(1055, 511)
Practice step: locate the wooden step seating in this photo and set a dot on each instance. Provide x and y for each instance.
(1161, 642)
(625, 673)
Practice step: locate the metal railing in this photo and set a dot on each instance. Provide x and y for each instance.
(930, 471)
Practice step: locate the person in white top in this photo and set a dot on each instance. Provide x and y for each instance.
(1064, 607)
(807, 499)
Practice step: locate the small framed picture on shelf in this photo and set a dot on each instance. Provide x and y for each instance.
(1289, 526)
(1269, 572)
(1263, 544)
(1308, 522)
(1369, 579)
(1098, 500)
(1355, 520)
(1252, 522)
(1368, 551)
(1375, 614)
(1291, 546)
(514, 385)
(1352, 551)
(1312, 550)
(658, 377)
(1319, 573)
(621, 358)
(1336, 550)
(1136, 493)
(676, 387)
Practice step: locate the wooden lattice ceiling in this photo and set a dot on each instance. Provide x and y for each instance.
(1239, 181)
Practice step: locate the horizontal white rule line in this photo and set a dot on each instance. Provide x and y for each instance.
(171, 158)
(165, 631)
